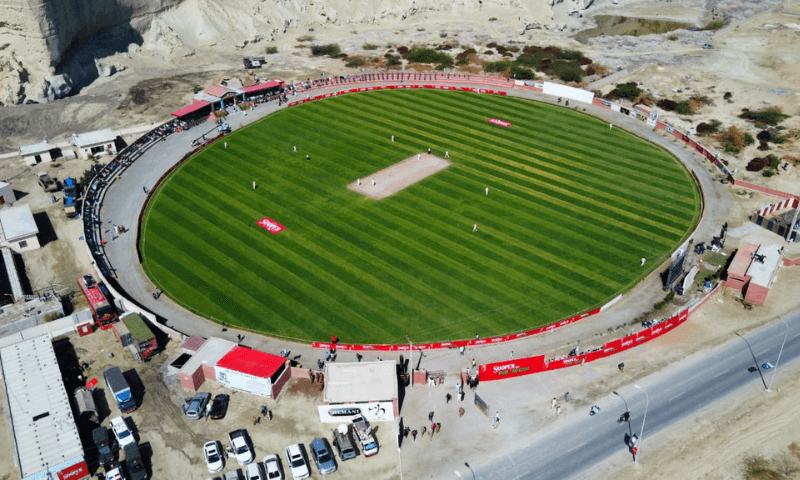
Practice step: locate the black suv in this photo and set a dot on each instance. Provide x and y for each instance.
(219, 407)
(133, 458)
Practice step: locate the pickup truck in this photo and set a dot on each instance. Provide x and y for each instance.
(364, 434)
(240, 446)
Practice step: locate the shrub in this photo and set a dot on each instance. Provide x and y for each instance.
(392, 60)
(513, 48)
(748, 139)
(732, 149)
(355, 62)
(197, 88)
(570, 55)
(369, 46)
(427, 55)
(330, 50)
(493, 19)
(666, 105)
(768, 172)
(488, 52)
(727, 96)
(465, 54)
(757, 164)
(734, 136)
(462, 61)
(532, 61)
(272, 50)
(305, 38)
(684, 108)
(711, 127)
(715, 25)
(4, 46)
(765, 116)
(521, 73)
(403, 51)
(628, 90)
(496, 66)
(672, 38)
(566, 71)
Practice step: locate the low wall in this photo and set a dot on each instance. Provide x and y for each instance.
(758, 188)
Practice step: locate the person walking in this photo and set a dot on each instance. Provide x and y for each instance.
(358, 182)
(308, 157)
(393, 138)
(226, 144)
(433, 429)
(430, 416)
(461, 412)
(461, 350)
(422, 431)
(566, 397)
(419, 156)
(446, 154)
(438, 427)
(475, 228)
(429, 150)
(643, 260)
(511, 356)
(448, 397)
(373, 182)
(254, 185)
(414, 435)
(473, 363)
(610, 126)
(487, 191)
(359, 356)
(295, 148)
(553, 403)
(558, 410)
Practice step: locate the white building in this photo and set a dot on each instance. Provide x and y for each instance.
(7, 193)
(36, 153)
(95, 143)
(46, 438)
(362, 388)
(19, 229)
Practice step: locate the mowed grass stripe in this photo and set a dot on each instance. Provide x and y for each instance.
(579, 189)
(555, 171)
(380, 269)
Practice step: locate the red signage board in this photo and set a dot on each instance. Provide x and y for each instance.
(270, 225)
(502, 123)
(511, 368)
(78, 471)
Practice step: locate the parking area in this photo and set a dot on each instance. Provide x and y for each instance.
(172, 445)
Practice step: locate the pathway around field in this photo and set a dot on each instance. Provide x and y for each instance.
(399, 176)
(523, 400)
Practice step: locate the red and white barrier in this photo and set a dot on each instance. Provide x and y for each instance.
(766, 210)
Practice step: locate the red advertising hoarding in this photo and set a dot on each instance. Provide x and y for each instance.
(270, 225)
(511, 368)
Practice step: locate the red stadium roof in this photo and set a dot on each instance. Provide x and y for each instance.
(263, 86)
(251, 362)
(190, 109)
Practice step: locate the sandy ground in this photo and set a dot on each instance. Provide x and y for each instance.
(399, 176)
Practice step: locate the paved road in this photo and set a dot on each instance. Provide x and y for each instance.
(586, 441)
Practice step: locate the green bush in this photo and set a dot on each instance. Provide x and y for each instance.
(521, 73)
(731, 149)
(271, 50)
(629, 91)
(768, 172)
(768, 116)
(533, 61)
(305, 38)
(672, 38)
(428, 55)
(749, 139)
(570, 55)
(683, 107)
(496, 66)
(356, 62)
(392, 60)
(462, 61)
(715, 25)
(566, 71)
(369, 46)
(331, 50)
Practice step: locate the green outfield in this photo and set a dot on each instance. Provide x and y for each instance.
(573, 207)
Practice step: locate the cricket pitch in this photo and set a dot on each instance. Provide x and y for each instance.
(401, 175)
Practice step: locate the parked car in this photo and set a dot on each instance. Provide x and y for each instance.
(105, 448)
(708, 46)
(240, 446)
(253, 472)
(219, 407)
(343, 443)
(215, 460)
(298, 465)
(233, 475)
(133, 458)
(197, 406)
(114, 474)
(47, 183)
(322, 455)
(272, 467)
(121, 431)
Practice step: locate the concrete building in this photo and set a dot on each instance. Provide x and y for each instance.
(363, 388)
(7, 193)
(252, 371)
(753, 270)
(200, 367)
(36, 153)
(95, 143)
(45, 435)
(19, 229)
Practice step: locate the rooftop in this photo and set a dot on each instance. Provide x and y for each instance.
(216, 90)
(197, 105)
(252, 362)
(360, 382)
(94, 138)
(27, 150)
(742, 260)
(263, 86)
(139, 330)
(44, 430)
(761, 273)
(209, 354)
(17, 222)
(193, 343)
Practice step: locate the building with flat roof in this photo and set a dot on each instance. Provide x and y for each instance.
(251, 371)
(363, 388)
(19, 229)
(200, 367)
(7, 194)
(36, 153)
(753, 270)
(95, 143)
(45, 435)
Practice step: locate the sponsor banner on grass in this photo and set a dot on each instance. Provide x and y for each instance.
(502, 123)
(270, 225)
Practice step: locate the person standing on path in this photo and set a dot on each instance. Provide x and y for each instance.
(438, 427)
(558, 410)
(422, 431)
(448, 397)
(419, 156)
(433, 429)
(430, 416)
(373, 182)
(461, 412)
(461, 350)
(511, 356)
(359, 182)
(553, 404)
(414, 435)
(473, 363)
(429, 150)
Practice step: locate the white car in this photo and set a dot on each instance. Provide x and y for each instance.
(298, 465)
(121, 431)
(253, 472)
(241, 447)
(114, 474)
(272, 465)
(212, 452)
